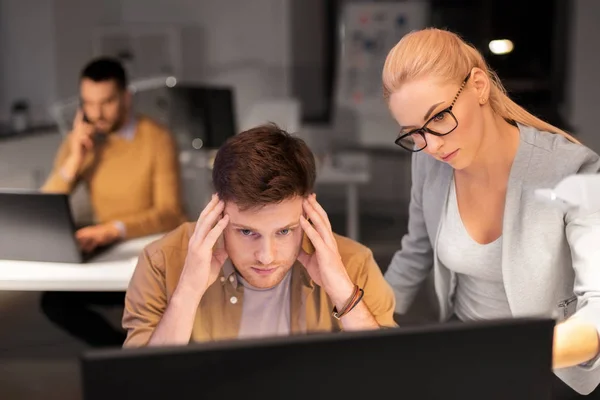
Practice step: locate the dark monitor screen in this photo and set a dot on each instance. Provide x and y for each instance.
(201, 116)
(485, 360)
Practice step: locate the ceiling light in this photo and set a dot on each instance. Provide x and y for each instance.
(501, 46)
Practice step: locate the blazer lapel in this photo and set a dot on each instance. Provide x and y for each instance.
(434, 205)
(435, 194)
(514, 272)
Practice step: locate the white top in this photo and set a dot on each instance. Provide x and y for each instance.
(480, 293)
(110, 271)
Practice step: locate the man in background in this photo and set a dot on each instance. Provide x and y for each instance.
(129, 165)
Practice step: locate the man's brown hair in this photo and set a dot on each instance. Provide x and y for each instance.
(263, 165)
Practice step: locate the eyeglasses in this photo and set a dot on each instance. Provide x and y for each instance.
(441, 124)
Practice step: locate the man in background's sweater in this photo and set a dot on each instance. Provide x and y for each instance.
(129, 165)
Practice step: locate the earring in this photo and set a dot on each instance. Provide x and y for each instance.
(483, 101)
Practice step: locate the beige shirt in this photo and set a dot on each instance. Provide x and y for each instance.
(134, 180)
(219, 313)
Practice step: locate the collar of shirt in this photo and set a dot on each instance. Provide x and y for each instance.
(127, 132)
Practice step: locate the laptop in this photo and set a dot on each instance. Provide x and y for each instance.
(39, 227)
(504, 359)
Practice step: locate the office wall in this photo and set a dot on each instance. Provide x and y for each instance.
(45, 43)
(237, 32)
(27, 61)
(240, 43)
(74, 22)
(584, 81)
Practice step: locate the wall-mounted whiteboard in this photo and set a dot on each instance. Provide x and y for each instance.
(368, 31)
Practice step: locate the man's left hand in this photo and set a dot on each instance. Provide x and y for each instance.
(94, 236)
(325, 265)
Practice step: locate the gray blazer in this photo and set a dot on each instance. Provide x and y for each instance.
(550, 259)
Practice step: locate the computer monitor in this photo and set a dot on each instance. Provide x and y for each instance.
(484, 360)
(201, 117)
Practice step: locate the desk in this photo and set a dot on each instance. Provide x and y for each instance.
(110, 271)
(328, 175)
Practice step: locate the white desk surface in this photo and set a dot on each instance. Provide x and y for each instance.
(110, 271)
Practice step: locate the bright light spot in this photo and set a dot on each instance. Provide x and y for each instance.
(171, 81)
(501, 46)
(197, 143)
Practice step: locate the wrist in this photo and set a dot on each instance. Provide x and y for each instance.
(188, 288)
(75, 159)
(114, 232)
(117, 230)
(186, 297)
(340, 293)
(71, 165)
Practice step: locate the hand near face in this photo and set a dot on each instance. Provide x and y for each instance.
(204, 260)
(81, 141)
(91, 237)
(325, 265)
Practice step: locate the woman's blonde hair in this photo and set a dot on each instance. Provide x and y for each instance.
(444, 54)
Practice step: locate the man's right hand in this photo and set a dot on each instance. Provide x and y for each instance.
(80, 144)
(204, 260)
(200, 270)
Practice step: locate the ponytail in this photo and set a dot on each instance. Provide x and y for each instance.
(511, 111)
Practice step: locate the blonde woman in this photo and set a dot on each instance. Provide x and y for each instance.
(496, 251)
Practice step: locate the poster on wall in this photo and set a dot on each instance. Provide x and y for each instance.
(368, 31)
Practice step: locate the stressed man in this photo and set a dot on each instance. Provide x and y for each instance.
(261, 260)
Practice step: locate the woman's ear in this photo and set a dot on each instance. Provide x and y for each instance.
(481, 82)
